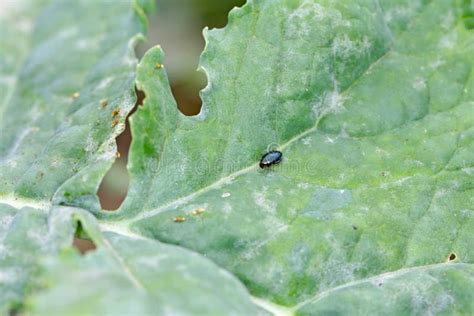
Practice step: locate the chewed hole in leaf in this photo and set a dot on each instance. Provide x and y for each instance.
(182, 56)
(83, 245)
(82, 242)
(452, 256)
(114, 186)
(185, 85)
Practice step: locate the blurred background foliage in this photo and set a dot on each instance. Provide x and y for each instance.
(177, 26)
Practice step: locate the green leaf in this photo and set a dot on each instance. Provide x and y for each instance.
(419, 291)
(128, 273)
(56, 140)
(67, 76)
(58, 137)
(370, 211)
(372, 105)
(135, 275)
(25, 235)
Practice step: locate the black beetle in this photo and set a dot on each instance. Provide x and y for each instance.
(271, 158)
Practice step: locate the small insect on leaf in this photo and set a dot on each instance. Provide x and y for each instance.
(115, 112)
(114, 123)
(179, 219)
(272, 157)
(103, 103)
(158, 66)
(197, 211)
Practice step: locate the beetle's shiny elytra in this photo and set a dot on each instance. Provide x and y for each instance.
(271, 158)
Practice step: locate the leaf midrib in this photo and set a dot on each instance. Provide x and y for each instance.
(390, 274)
(152, 212)
(289, 310)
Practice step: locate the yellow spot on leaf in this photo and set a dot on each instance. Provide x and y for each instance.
(115, 113)
(179, 219)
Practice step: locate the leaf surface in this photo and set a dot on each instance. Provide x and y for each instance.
(139, 276)
(372, 105)
(27, 234)
(419, 291)
(56, 136)
(66, 75)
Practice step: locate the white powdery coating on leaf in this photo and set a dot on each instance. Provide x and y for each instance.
(426, 301)
(129, 61)
(329, 140)
(227, 208)
(274, 225)
(151, 261)
(5, 221)
(307, 140)
(303, 185)
(8, 80)
(329, 102)
(108, 150)
(105, 83)
(9, 275)
(262, 201)
(299, 258)
(448, 41)
(345, 48)
(448, 20)
(302, 20)
(419, 84)
(337, 272)
(437, 63)
(38, 237)
(469, 171)
(68, 32)
(24, 25)
(401, 181)
(19, 203)
(16, 145)
(87, 44)
(403, 13)
(91, 144)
